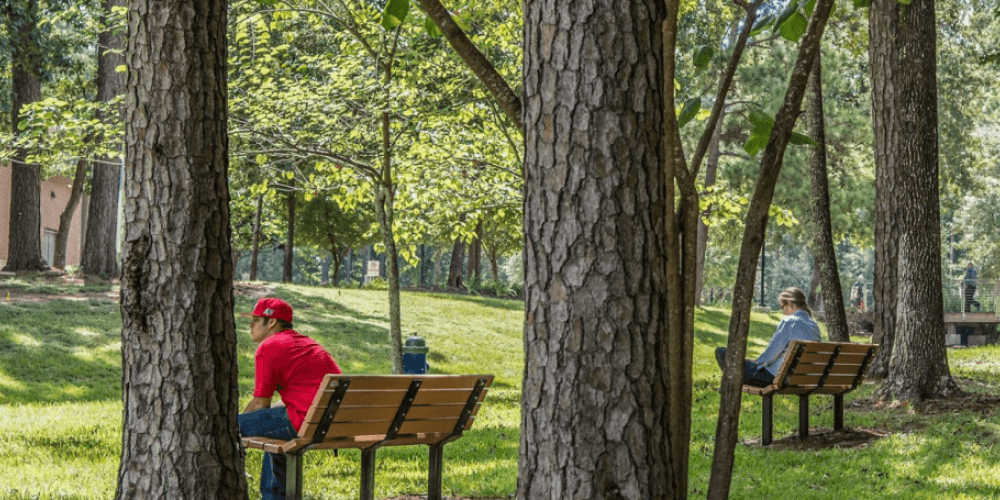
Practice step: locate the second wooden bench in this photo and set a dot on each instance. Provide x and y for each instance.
(834, 368)
(368, 412)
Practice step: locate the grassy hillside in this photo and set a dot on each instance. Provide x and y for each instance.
(60, 410)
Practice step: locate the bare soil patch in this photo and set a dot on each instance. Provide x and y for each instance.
(820, 439)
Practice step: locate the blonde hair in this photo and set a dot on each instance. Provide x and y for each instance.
(796, 297)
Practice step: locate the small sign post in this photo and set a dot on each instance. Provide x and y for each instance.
(374, 270)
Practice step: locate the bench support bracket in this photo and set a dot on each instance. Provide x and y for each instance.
(434, 469)
(803, 416)
(368, 473)
(766, 421)
(293, 475)
(838, 412)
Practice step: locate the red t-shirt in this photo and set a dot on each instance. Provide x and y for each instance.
(293, 365)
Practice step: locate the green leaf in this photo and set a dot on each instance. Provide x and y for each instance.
(755, 144)
(431, 28)
(261, 160)
(395, 13)
(802, 140)
(691, 107)
(794, 27)
(702, 56)
(761, 120)
(861, 4)
(761, 24)
(790, 9)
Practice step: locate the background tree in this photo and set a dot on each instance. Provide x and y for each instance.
(918, 365)
(180, 389)
(24, 250)
(99, 255)
(324, 224)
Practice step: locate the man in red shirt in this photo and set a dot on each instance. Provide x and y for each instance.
(291, 364)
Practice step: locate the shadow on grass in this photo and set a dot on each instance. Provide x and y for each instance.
(60, 351)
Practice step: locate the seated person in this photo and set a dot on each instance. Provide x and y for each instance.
(291, 364)
(796, 325)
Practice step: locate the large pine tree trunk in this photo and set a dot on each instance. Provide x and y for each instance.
(24, 250)
(823, 249)
(918, 367)
(883, 22)
(99, 253)
(66, 217)
(180, 378)
(596, 414)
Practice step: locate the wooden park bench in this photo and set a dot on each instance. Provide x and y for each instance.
(368, 412)
(815, 368)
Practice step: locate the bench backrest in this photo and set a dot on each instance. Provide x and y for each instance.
(357, 411)
(821, 368)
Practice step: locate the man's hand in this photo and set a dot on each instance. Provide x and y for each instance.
(258, 404)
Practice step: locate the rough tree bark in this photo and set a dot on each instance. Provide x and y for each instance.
(883, 27)
(255, 251)
(180, 379)
(66, 217)
(823, 249)
(753, 237)
(286, 268)
(597, 420)
(99, 252)
(24, 244)
(918, 367)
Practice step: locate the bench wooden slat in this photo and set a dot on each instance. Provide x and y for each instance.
(828, 347)
(402, 382)
(386, 413)
(369, 398)
(812, 380)
(338, 430)
(837, 369)
(849, 358)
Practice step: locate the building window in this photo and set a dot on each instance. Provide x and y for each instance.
(49, 246)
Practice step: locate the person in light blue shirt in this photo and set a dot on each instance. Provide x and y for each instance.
(796, 325)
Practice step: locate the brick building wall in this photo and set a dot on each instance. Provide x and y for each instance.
(54, 197)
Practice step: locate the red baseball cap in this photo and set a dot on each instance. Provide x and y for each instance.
(272, 308)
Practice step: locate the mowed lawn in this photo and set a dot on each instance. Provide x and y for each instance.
(60, 407)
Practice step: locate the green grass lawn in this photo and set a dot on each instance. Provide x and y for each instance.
(60, 408)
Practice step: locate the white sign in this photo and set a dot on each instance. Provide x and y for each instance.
(374, 268)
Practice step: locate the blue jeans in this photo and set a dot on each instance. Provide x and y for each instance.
(752, 374)
(272, 423)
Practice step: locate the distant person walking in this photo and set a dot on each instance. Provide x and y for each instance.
(970, 282)
(858, 293)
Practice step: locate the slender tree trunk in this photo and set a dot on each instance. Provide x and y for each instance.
(338, 258)
(814, 282)
(385, 195)
(711, 168)
(476, 255)
(882, 52)
(438, 257)
(457, 258)
(918, 368)
(24, 250)
(180, 384)
(597, 415)
(823, 249)
(750, 250)
(66, 217)
(286, 273)
(99, 247)
(256, 238)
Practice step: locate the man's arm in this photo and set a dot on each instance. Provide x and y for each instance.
(258, 404)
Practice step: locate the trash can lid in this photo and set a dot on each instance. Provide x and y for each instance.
(415, 341)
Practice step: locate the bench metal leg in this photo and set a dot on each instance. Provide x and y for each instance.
(368, 473)
(766, 422)
(293, 476)
(803, 417)
(434, 471)
(838, 411)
